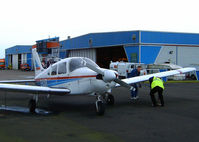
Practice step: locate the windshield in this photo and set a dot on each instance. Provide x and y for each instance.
(1, 63)
(91, 62)
(75, 64)
(79, 63)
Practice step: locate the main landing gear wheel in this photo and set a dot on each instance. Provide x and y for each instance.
(32, 106)
(110, 100)
(100, 107)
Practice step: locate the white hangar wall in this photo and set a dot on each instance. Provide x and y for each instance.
(181, 55)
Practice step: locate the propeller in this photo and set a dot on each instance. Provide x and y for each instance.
(124, 84)
(107, 75)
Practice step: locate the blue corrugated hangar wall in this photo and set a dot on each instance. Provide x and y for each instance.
(127, 40)
(12, 55)
(140, 46)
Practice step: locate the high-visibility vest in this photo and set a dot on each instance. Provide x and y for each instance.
(157, 82)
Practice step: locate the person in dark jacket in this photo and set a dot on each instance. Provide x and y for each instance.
(134, 91)
(156, 85)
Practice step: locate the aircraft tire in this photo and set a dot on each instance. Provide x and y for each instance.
(100, 108)
(32, 106)
(110, 100)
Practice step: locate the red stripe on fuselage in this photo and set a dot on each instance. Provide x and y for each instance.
(60, 78)
(38, 68)
(180, 72)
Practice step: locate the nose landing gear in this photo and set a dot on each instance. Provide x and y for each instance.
(110, 99)
(100, 106)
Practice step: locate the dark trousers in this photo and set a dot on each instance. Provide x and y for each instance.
(152, 94)
(134, 92)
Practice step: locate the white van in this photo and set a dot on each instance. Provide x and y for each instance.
(125, 68)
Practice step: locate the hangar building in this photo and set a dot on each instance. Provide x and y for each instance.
(22, 54)
(133, 46)
(18, 55)
(136, 46)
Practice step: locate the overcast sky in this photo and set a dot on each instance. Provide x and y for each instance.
(22, 22)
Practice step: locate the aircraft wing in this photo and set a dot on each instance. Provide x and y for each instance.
(17, 81)
(160, 75)
(33, 89)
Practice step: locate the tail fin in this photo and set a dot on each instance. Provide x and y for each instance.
(37, 63)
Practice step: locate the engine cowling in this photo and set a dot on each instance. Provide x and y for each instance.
(109, 76)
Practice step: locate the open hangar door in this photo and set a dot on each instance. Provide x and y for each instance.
(9, 60)
(107, 54)
(188, 57)
(89, 53)
(15, 62)
(24, 58)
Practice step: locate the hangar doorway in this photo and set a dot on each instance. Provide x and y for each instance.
(107, 54)
(19, 61)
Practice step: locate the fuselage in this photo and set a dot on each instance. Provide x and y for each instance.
(71, 74)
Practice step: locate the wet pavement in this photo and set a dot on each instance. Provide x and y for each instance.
(73, 118)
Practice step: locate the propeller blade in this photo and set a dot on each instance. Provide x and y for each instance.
(97, 70)
(124, 84)
(104, 73)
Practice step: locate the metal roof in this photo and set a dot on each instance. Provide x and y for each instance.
(94, 40)
(19, 49)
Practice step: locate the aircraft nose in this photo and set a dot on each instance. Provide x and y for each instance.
(109, 76)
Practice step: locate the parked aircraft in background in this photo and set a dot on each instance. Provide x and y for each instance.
(77, 76)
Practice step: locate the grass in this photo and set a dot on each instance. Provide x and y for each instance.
(179, 81)
(182, 81)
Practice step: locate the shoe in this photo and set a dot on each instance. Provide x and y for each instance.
(135, 98)
(154, 105)
(159, 104)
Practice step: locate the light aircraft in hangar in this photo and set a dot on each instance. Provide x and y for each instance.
(77, 76)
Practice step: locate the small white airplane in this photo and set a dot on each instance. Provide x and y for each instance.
(77, 76)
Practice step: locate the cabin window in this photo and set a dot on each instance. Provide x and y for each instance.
(79, 63)
(54, 70)
(62, 68)
(75, 64)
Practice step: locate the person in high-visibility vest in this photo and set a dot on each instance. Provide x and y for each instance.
(157, 85)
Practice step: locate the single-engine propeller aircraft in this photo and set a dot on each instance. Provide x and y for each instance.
(77, 76)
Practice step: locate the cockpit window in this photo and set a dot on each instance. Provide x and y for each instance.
(54, 70)
(62, 68)
(75, 64)
(79, 63)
